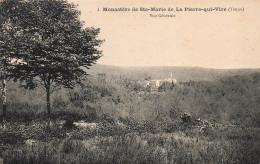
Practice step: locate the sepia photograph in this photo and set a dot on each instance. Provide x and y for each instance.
(129, 82)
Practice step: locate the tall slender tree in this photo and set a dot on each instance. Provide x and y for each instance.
(7, 43)
(50, 47)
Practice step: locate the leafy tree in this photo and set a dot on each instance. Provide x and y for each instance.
(49, 45)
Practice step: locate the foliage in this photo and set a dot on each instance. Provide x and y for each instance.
(124, 125)
(230, 100)
(43, 43)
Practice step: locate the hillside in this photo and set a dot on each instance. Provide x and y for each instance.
(182, 74)
(231, 99)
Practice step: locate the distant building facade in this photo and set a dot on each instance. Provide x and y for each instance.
(156, 83)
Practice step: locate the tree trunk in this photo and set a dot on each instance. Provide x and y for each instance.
(48, 102)
(3, 99)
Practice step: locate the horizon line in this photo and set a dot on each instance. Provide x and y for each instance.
(176, 66)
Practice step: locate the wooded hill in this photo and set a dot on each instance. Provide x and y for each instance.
(232, 99)
(182, 74)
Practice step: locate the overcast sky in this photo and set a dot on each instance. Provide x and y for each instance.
(212, 39)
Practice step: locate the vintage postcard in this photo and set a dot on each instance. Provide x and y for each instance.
(127, 81)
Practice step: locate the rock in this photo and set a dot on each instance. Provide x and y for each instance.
(83, 124)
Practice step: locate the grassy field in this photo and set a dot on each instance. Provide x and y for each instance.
(109, 143)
